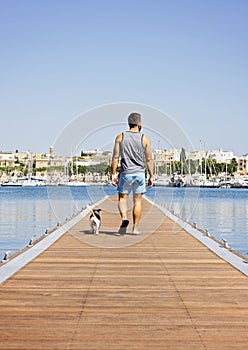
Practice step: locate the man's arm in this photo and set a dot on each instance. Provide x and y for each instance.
(149, 160)
(115, 160)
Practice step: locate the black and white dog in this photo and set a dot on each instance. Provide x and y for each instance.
(95, 221)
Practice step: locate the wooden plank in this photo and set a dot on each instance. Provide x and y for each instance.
(166, 291)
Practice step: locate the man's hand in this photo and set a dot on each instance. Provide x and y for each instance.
(114, 179)
(150, 182)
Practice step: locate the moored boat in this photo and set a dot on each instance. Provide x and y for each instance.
(11, 184)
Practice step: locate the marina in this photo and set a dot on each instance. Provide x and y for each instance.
(172, 180)
(164, 289)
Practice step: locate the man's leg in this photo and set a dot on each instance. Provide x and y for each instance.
(122, 204)
(137, 209)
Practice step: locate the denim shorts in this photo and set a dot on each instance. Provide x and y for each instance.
(135, 183)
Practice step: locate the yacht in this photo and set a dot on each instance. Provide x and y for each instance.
(11, 184)
(33, 182)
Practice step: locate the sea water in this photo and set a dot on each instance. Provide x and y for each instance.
(223, 212)
(26, 212)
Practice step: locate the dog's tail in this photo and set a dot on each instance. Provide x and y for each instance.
(92, 211)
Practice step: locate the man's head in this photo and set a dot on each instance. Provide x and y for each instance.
(134, 119)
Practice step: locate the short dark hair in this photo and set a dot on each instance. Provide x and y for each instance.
(134, 119)
(132, 125)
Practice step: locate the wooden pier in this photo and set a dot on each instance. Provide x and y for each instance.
(161, 290)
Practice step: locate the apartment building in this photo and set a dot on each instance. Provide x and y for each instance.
(243, 164)
(7, 159)
(220, 156)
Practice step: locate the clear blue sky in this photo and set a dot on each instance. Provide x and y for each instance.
(188, 58)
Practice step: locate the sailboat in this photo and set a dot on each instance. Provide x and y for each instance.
(71, 180)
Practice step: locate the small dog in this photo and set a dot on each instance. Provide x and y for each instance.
(95, 221)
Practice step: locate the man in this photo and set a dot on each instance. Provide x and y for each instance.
(134, 149)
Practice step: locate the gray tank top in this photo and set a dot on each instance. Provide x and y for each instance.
(132, 153)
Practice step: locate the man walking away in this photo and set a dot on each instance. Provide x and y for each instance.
(134, 151)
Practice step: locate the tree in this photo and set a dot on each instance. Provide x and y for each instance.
(42, 169)
(191, 166)
(97, 168)
(81, 169)
(233, 166)
(107, 170)
(176, 167)
(162, 169)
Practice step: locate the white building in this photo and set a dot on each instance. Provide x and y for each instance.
(221, 156)
(7, 159)
(162, 157)
(197, 155)
(173, 154)
(159, 156)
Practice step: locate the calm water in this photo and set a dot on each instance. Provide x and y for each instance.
(27, 212)
(224, 212)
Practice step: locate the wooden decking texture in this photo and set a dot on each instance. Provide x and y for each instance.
(164, 292)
